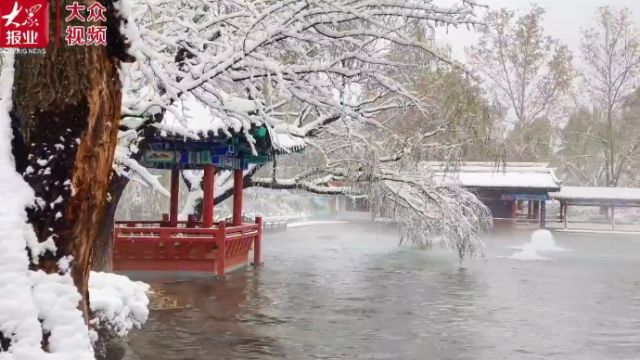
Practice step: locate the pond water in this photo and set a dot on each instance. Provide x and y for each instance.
(347, 291)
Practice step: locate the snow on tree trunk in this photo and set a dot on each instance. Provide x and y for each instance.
(66, 109)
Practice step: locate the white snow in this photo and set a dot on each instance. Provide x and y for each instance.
(522, 180)
(64, 264)
(122, 160)
(312, 223)
(118, 301)
(597, 193)
(195, 119)
(588, 231)
(36, 248)
(516, 175)
(57, 300)
(238, 104)
(38, 302)
(18, 312)
(284, 141)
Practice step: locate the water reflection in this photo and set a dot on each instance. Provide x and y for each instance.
(208, 318)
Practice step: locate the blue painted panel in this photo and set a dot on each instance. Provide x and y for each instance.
(525, 197)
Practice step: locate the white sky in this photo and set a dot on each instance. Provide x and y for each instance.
(563, 20)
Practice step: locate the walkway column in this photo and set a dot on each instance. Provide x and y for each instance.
(543, 214)
(238, 186)
(208, 187)
(173, 200)
(529, 208)
(566, 215)
(514, 211)
(613, 218)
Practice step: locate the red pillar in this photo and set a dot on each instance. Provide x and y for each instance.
(237, 197)
(173, 202)
(208, 198)
(257, 244)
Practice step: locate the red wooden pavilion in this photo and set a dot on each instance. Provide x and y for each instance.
(195, 245)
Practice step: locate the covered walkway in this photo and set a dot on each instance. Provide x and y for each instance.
(516, 193)
(607, 198)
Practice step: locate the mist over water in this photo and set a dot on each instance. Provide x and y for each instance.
(347, 291)
(527, 253)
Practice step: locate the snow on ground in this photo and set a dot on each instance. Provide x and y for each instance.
(311, 223)
(19, 313)
(57, 300)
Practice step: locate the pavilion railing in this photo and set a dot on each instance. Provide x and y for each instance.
(153, 246)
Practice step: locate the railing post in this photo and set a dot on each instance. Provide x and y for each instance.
(175, 190)
(257, 244)
(208, 197)
(222, 248)
(237, 196)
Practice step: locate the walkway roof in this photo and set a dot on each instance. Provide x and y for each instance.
(598, 196)
(530, 176)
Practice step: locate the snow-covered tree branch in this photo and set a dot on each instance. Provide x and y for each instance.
(319, 74)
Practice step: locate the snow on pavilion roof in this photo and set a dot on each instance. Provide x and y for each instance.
(490, 175)
(198, 123)
(597, 193)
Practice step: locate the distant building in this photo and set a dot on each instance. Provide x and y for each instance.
(515, 191)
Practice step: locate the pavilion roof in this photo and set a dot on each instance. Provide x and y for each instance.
(534, 176)
(191, 137)
(198, 123)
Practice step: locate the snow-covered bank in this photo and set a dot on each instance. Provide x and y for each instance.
(312, 223)
(38, 302)
(119, 302)
(35, 303)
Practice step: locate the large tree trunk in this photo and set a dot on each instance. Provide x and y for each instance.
(103, 247)
(65, 117)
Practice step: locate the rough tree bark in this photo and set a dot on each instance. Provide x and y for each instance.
(103, 246)
(66, 110)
